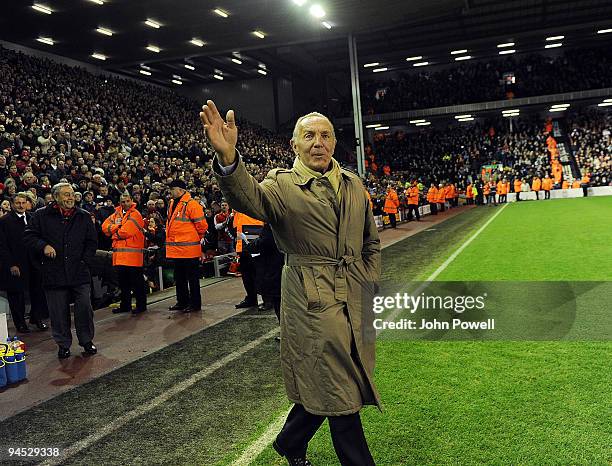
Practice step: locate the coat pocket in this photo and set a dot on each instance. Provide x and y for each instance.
(310, 288)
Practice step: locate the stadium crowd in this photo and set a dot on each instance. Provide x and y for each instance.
(106, 136)
(479, 81)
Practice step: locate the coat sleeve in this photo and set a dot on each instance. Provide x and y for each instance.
(262, 201)
(108, 226)
(197, 217)
(371, 244)
(6, 256)
(130, 227)
(91, 242)
(33, 238)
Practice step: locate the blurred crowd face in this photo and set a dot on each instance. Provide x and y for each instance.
(20, 204)
(126, 202)
(5, 207)
(315, 143)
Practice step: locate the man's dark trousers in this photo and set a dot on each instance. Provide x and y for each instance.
(131, 280)
(249, 274)
(433, 207)
(187, 279)
(413, 208)
(346, 431)
(58, 301)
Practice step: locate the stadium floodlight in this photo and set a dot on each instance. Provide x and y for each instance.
(326, 24)
(418, 57)
(425, 123)
(553, 46)
(176, 81)
(421, 63)
(145, 72)
(176, 76)
(262, 72)
(189, 67)
(153, 48)
(98, 56)
(465, 57)
(373, 125)
(514, 110)
(604, 31)
(46, 40)
(458, 52)
(97, 2)
(417, 121)
(152, 23)
(381, 128)
(506, 52)
(505, 44)
(218, 76)
(462, 116)
(379, 70)
(605, 104)
(607, 100)
(238, 62)
(106, 32)
(262, 66)
(317, 11)
(197, 42)
(560, 106)
(299, 2)
(370, 65)
(42, 8)
(222, 13)
(558, 109)
(510, 115)
(466, 119)
(553, 38)
(259, 34)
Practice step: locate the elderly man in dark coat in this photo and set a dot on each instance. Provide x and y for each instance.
(18, 274)
(321, 219)
(63, 237)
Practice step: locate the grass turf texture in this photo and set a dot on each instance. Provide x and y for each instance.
(452, 402)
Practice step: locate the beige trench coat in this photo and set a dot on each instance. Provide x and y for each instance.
(331, 272)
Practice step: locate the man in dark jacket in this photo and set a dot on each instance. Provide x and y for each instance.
(18, 273)
(64, 238)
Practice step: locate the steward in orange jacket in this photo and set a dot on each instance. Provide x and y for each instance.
(391, 205)
(547, 184)
(565, 184)
(536, 186)
(185, 228)
(126, 228)
(575, 184)
(432, 199)
(441, 197)
(584, 183)
(247, 229)
(517, 188)
(412, 194)
(469, 194)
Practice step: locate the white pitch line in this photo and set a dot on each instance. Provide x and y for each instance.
(265, 439)
(155, 402)
(446, 263)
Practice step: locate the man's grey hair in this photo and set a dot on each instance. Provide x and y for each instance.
(57, 188)
(296, 128)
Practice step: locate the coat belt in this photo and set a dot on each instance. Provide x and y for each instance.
(341, 264)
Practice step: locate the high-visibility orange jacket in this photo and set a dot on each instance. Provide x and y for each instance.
(127, 232)
(441, 195)
(575, 184)
(586, 179)
(487, 189)
(248, 225)
(565, 184)
(557, 172)
(432, 195)
(517, 186)
(391, 202)
(536, 184)
(185, 228)
(468, 191)
(412, 194)
(450, 191)
(547, 184)
(501, 188)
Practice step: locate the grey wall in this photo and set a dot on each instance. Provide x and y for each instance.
(252, 99)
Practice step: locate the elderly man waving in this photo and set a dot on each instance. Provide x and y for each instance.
(321, 219)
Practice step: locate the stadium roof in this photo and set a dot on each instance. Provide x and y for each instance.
(294, 40)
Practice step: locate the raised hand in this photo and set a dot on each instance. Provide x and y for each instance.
(222, 135)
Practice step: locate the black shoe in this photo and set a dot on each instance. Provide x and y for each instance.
(90, 348)
(297, 461)
(63, 353)
(245, 303)
(23, 328)
(178, 307)
(138, 311)
(191, 309)
(40, 325)
(120, 311)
